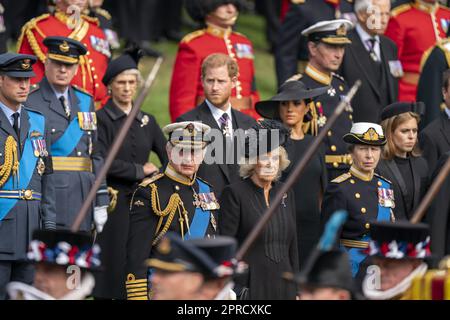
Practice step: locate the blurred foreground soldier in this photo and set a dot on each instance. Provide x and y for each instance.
(414, 28)
(372, 57)
(71, 117)
(91, 67)
(130, 166)
(176, 200)
(327, 41)
(396, 252)
(365, 195)
(105, 22)
(328, 278)
(186, 89)
(64, 263)
(435, 138)
(197, 269)
(433, 285)
(290, 47)
(26, 196)
(401, 160)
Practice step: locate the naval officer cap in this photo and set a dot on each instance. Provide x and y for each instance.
(332, 32)
(188, 134)
(17, 65)
(366, 133)
(64, 49)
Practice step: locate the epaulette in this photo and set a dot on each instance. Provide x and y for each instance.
(295, 77)
(338, 76)
(240, 34)
(298, 1)
(149, 180)
(381, 177)
(93, 20)
(342, 178)
(191, 36)
(103, 13)
(400, 9)
(444, 7)
(77, 88)
(204, 181)
(27, 32)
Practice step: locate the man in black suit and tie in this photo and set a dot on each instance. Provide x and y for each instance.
(435, 138)
(373, 59)
(219, 77)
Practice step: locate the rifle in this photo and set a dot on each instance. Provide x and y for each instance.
(298, 170)
(117, 144)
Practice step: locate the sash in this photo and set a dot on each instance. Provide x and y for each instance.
(64, 146)
(27, 165)
(201, 219)
(357, 255)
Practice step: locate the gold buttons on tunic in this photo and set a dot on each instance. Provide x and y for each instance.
(363, 210)
(341, 88)
(367, 225)
(352, 181)
(357, 195)
(335, 164)
(329, 133)
(350, 117)
(379, 183)
(333, 148)
(177, 188)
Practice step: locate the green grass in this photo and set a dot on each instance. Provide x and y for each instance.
(157, 102)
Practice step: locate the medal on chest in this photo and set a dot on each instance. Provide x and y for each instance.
(87, 121)
(331, 92)
(386, 197)
(39, 145)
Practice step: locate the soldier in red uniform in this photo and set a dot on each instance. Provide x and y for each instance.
(415, 27)
(92, 68)
(186, 90)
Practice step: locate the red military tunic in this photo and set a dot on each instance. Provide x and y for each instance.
(92, 66)
(415, 28)
(186, 89)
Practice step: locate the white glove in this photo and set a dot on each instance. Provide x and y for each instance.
(100, 217)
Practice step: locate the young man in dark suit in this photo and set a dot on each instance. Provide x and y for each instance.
(435, 138)
(219, 77)
(371, 57)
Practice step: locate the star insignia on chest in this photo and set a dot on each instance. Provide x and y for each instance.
(331, 92)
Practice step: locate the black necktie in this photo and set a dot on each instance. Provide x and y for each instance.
(372, 53)
(65, 106)
(16, 124)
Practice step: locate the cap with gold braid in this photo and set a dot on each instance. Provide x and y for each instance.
(64, 49)
(17, 65)
(330, 32)
(366, 133)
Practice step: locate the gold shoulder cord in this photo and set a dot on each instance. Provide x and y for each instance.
(11, 163)
(175, 204)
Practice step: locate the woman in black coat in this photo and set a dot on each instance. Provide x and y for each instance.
(130, 166)
(401, 161)
(242, 206)
(290, 106)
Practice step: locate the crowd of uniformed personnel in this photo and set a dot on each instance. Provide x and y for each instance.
(345, 229)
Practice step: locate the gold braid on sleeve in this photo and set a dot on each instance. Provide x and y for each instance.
(174, 205)
(11, 163)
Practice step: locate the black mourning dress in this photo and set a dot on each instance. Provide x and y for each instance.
(275, 251)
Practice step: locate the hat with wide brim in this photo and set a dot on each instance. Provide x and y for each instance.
(289, 91)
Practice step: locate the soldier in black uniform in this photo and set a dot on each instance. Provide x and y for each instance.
(290, 46)
(176, 200)
(364, 194)
(326, 41)
(198, 269)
